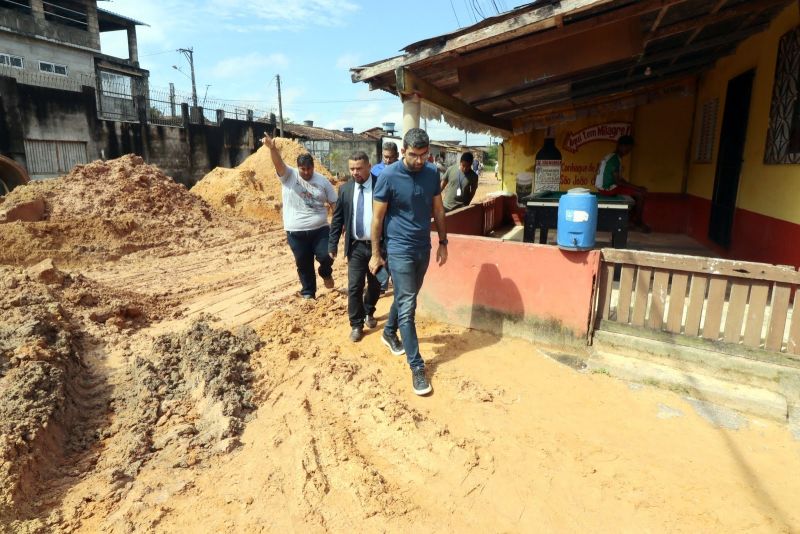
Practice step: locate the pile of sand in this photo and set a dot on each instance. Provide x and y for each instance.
(252, 190)
(104, 210)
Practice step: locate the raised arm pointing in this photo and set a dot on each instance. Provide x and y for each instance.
(277, 160)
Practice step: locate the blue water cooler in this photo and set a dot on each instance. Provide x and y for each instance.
(577, 220)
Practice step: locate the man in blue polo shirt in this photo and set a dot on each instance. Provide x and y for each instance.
(389, 156)
(406, 195)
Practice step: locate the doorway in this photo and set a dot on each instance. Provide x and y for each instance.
(729, 160)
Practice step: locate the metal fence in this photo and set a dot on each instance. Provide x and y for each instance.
(124, 98)
(121, 101)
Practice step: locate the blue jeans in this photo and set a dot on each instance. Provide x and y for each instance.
(306, 245)
(408, 273)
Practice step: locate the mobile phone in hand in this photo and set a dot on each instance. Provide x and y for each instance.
(382, 275)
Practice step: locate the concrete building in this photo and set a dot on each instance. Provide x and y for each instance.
(56, 45)
(63, 102)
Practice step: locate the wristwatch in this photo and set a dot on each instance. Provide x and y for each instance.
(443, 242)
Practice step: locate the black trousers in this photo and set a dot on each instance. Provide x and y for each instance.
(306, 245)
(361, 303)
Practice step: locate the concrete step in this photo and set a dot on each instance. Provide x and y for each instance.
(749, 399)
(782, 379)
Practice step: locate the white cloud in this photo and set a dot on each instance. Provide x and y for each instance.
(286, 15)
(164, 21)
(169, 23)
(242, 66)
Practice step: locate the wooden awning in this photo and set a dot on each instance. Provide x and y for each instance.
(506, 71)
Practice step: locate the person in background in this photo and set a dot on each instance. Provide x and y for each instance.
(609, 180)
(353, 213)
(459, 183)
(389, 154)
(407, 194)
(306, 196)
(440, 164)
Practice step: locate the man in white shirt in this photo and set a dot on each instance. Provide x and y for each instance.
(306, 196)
(353, 213)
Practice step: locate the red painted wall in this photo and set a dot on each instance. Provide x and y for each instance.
(467, 221)
(524, 289)
(755, 237)
(666, 212)
(482, 218)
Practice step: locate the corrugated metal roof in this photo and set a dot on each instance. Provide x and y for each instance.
(543, 57)
(116, 17)
(316, 133)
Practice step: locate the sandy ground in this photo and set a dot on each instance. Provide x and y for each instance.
(191, 391)
(487, 183)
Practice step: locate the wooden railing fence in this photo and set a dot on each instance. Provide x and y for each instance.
(719, 300)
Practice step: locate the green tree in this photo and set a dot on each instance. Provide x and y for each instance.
(491, 156)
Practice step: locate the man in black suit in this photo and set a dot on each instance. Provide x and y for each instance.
(354, 213)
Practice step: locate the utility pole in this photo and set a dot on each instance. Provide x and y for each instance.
(280, 106)
(189, 53)
(172, 99)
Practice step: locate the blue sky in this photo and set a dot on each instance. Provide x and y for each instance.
(240, 46)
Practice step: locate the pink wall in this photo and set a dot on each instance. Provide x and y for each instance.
(533, 291)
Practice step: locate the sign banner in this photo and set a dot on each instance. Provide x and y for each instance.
(547, 175)
(610, 131)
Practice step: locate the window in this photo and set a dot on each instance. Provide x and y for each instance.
(11, 61)
(704, 151)
(115, 85)
(68, 13)
(53, 68)
(783, 135)
(17, 5)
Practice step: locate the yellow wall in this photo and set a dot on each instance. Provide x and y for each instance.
(579, 169)
(772, 190)
(661, 129)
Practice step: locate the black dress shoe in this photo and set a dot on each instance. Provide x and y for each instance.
(394, 344)
(370, 322)
(356, 334)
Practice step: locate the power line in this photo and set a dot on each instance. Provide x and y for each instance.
(470, 9)
(312, 101)
(478, 9)
(454, 13)
(157, 53)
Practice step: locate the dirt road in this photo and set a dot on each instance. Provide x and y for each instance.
(191, 391)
